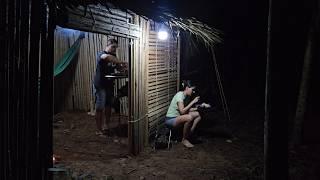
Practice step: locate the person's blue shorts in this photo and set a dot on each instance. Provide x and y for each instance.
(170, 121)
(103, 97)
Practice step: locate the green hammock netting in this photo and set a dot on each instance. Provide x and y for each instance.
(68, 56)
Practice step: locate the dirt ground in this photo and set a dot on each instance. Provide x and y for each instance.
(88, 156)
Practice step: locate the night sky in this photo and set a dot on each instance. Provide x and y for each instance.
(242, 56)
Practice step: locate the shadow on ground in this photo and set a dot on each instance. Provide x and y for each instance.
(89, 156)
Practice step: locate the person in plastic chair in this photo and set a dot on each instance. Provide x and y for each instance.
(107, 62)
(179, 114)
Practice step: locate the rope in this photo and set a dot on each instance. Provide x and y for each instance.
(222, 96)
(137, 120)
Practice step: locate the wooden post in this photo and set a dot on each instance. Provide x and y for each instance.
(304, 83)
(178, 61)
(130, 98)
(146, 81)
(267, 96)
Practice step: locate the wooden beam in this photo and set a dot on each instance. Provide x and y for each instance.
(95, 21)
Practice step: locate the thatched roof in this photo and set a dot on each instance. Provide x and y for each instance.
(150, 10)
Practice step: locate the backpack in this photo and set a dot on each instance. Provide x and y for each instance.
(162, 138)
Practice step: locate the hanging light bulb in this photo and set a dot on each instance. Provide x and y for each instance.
(163, 35)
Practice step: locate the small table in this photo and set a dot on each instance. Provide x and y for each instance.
(116, 76)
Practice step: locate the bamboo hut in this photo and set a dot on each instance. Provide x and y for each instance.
(154, 64)
(29, 60)
(27, 64)
(153, 73)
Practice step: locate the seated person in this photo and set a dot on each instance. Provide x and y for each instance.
(178, 114)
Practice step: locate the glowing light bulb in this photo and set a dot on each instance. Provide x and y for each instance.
(162, 35)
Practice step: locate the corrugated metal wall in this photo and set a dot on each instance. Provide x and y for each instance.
(73, 88)
(163, 76)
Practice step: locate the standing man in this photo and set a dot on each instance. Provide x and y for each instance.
(107, 62)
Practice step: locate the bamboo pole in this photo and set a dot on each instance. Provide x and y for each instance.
(267, 163)
(178, 61)
(305, 80)
(146, 34)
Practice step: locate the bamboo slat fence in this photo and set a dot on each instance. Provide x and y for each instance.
(99, 19)
(162, 76)
(154, 68)
(73, 88)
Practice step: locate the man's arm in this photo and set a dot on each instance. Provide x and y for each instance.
(112, 59)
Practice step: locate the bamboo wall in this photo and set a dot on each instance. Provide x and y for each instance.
(26, 76)
(99, 19)
(138, 111)
(154, 80)
(73, 88)
(153, 76)
(162, 76)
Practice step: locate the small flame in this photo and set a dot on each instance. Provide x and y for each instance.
(53, 159)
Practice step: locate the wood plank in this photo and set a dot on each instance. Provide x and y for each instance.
(155, 73)
(156, 117)
(159, 98)
(111, 11)
(103, 24)
(171, 92)
(159, 76)
(161, 85)
(155, 95)
(167, 78)
(158, 111)
(157, 91)
(158, 104)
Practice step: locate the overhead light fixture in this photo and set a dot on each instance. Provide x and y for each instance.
(163, 35)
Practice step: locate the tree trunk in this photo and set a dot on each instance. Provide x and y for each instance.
(267, 98)
(304, 83)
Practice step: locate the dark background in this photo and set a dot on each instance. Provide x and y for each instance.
(241, 57)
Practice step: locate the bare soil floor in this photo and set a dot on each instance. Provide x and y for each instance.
(92, 157)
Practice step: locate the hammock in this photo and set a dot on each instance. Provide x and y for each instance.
(68, 56)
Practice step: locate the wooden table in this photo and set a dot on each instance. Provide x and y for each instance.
(116, 76)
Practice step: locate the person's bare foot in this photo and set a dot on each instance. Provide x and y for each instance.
(105, 128)
(187, 144)
(100, 134)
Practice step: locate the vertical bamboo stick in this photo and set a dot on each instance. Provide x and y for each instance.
(178, 61)
(146, 34)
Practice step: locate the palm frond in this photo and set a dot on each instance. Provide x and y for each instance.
(208, 35)
(203, 32)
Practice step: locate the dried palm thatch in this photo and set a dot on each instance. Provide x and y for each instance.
(201, 31)
(208, 35)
